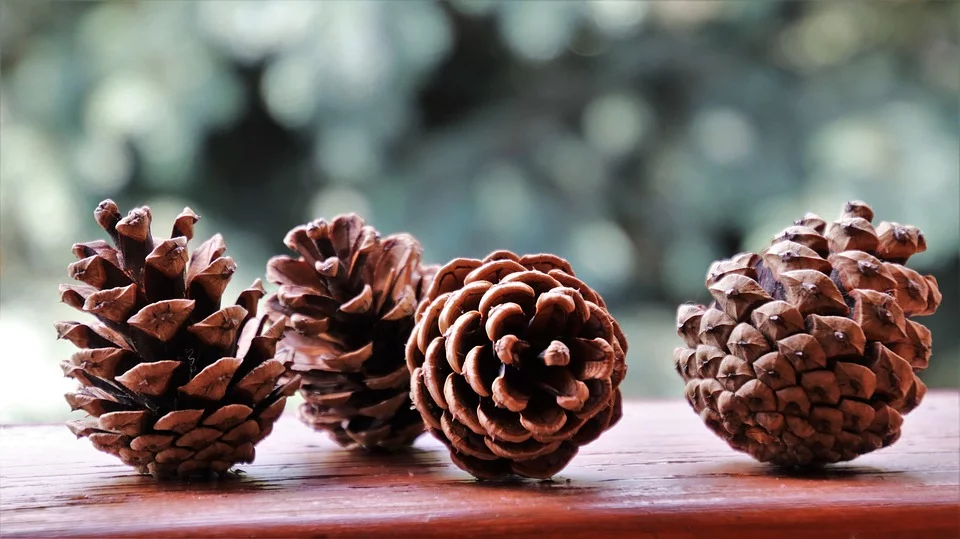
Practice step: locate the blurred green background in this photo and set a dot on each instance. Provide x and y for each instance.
(640, 140)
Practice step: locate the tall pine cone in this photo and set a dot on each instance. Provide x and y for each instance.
(809, 354)
(515, 364)
(350, 297)
(173, 384)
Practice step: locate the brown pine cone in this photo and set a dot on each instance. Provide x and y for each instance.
(809, 354)
(515, 364)
(173, 384)
(350, 298)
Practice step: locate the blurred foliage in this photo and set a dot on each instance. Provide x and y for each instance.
(641, 140)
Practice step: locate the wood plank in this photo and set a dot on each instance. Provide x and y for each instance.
(659, 473)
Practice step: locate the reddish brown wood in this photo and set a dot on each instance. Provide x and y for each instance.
(659, 473)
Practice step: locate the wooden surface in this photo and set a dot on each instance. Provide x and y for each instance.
(659, 473)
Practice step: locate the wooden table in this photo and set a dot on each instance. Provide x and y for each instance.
(659, 473)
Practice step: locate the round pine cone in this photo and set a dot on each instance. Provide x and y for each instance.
(173, 384)
(515, 364)
(809, 355)
(350, 297)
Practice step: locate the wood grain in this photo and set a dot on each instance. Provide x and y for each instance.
(658, 474)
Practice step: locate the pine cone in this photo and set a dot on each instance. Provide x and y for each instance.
(515, 364)
(173, 384)
(350, 298)
(809, 355)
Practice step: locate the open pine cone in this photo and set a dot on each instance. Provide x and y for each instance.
(173, 384)
(809, 355)
(515, 364)
(350, 297)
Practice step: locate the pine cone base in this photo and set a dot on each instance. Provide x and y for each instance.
(184, 443)
(355, 424)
